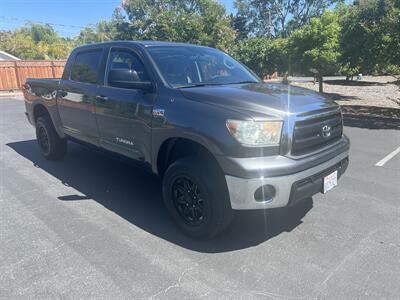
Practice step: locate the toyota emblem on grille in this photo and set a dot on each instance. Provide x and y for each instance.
(326, 131)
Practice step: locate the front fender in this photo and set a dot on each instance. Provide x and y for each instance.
(199, 122)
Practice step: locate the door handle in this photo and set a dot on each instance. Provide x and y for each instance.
(102, 99)
(61, 94)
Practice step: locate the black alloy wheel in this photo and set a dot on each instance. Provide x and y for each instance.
(43, 140)
(50, 144)
(196, 196)
(188, 200)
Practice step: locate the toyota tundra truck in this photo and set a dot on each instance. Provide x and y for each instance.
(219, 137)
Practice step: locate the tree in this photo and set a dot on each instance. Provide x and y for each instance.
(316, 46)
(193, 21)
(274, 18)
(116, 29)
(262, 55)
(40, 33)
(370, 38)
(17, 44)
(35, 41)
(88, 35)
(238, 23)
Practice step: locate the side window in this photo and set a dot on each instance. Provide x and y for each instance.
(125, 65)
(85, 66)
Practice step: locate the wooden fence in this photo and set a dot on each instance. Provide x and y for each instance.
(14, 73)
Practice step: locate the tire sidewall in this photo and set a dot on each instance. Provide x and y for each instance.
(189, 168)
(42, 124)
(57, 146)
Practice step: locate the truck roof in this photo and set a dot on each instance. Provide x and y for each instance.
(142, 43)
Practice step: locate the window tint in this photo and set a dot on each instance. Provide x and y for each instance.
(211, 67)
(123, 59)
(85, 66)
(183, 66)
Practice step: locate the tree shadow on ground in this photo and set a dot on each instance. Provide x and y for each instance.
(341, 97)
(135, 195)
(353, 82)
(371, 117)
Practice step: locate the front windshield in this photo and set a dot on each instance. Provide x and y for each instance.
(196, 66)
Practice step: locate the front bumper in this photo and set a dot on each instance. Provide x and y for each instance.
(288, 188)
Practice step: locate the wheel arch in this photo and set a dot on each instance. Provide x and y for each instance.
(175, 148)
(41, 110)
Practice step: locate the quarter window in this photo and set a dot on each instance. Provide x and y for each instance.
(85, 67)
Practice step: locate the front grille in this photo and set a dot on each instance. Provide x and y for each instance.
(309, 134)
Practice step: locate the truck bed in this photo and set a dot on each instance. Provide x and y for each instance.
(41, 87)
(43, 82)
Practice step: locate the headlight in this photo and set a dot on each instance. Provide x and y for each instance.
(256, 133)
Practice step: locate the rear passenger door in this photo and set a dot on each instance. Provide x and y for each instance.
(76, 102)
(124, 115)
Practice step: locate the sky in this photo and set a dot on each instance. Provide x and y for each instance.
(67, 16)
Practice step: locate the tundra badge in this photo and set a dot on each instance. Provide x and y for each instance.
(158, 112)
(124, 141)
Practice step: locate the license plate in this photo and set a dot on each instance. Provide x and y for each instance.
(330, 181)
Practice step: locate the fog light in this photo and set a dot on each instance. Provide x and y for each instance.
(264, 193)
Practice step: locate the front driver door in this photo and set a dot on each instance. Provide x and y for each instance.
(124, 114)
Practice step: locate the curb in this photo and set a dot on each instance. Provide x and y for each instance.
(12, 94)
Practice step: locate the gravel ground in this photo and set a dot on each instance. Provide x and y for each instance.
(379, 91)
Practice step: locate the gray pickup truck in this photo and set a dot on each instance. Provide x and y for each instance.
(220, 138)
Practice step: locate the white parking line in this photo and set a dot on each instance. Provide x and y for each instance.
(387, 158)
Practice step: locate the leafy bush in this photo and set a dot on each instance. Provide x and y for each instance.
(348, 71)
(35, 41)
(391, 70)
(316, 46)
(264, 56)
(369, 38)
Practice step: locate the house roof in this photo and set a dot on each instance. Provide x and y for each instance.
(7, 56)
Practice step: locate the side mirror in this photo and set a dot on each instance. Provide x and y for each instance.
(129, 79)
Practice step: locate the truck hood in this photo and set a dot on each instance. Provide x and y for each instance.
(260, 99)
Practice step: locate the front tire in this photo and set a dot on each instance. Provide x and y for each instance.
(50, 144)
(196, 195)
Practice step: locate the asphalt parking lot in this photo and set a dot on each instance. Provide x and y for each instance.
(93, 227)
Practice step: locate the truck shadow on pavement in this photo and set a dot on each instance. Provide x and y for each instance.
(135, 195)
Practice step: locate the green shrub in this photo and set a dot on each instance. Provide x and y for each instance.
(264, 56)
(348, 71)
(391, 70)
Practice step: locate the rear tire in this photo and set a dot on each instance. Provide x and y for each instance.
(196, 195)
(50, 144)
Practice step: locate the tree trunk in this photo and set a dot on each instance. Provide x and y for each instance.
(320, 79)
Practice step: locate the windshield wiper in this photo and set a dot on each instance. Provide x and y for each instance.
(210, 84)
(244, 81)
(196, 85)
